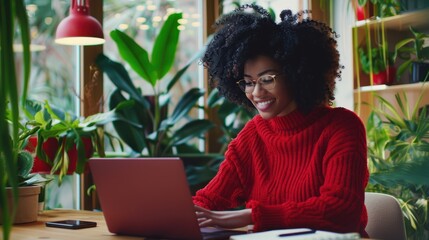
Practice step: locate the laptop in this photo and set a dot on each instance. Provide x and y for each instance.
(149, 197)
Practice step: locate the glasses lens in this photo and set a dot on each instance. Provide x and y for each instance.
(267, 81)
(246, 85)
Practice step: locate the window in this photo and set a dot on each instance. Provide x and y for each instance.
(52, 79)
(142, 21)
(276, 5)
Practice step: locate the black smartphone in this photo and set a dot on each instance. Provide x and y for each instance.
(71, 224)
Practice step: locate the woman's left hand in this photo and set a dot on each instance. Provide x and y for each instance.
(224, 219)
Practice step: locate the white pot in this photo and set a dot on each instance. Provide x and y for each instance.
(28, 204)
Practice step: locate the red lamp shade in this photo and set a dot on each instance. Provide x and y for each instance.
(79, 28)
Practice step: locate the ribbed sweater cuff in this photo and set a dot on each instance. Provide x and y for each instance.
(265, 217)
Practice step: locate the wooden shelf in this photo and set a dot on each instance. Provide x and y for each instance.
(393, 88)
(392, 30)
(401, 22)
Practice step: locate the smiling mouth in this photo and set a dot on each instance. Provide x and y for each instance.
(264, 105)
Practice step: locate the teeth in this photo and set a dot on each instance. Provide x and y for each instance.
(263, 104)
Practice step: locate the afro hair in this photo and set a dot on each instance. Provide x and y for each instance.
(305, 48)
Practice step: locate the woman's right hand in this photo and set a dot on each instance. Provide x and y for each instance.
(224, 219)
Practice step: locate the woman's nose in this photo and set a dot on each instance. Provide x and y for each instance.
(257, 90)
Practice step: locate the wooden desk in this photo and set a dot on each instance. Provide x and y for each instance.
(38, 230)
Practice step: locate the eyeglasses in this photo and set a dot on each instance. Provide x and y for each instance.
(268, 82)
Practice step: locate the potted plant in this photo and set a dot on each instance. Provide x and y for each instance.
(11, 12)
(415, 53)
(398, 153)
(383, 8)
(63, 142)
(30, 184)
(359, 8)
(378, 62)
(155, 131)
(158, 127)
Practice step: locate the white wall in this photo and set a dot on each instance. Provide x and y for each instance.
(343, 21)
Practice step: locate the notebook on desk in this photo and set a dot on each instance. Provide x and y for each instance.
(148, 197)
(297, 234)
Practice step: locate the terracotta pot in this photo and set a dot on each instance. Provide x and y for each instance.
(50, 147)
(28, 204)
(385, 77)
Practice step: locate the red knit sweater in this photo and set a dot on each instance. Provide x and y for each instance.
(296, 171)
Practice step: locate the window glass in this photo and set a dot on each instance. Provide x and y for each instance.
(142, 20)
(52, 67)
(275, 5)
(52, 80)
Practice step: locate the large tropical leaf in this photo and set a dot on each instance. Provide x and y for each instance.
(179, 73)
(415, 172)
(164, 48)
(136, 56)
(185, 104)
(214, 99)
(132, 134)
(120, 77)
(191, 130)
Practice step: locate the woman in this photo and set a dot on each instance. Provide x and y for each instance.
(299, 162)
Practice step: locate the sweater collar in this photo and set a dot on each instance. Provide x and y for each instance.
(296, 119)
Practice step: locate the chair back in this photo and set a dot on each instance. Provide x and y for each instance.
(385, 218)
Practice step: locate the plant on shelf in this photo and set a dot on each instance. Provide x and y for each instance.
(398, 151)
(146, 126)
(379, 63)
(387, 8)
(415, 53)
(383, 8)
(63, 142)
(359, 8)
(12, 13)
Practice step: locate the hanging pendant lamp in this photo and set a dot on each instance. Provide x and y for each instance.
(79, 28)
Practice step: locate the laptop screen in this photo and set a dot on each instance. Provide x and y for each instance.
(145, 197)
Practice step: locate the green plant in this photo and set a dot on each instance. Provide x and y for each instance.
(25, 177)
(11, 12)
(231, 117)
(398, 152)
(376, 59)
(25, 160)
(411, 50)
(146, 125)
(387, 8)
(47, 122)
(384, 8)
